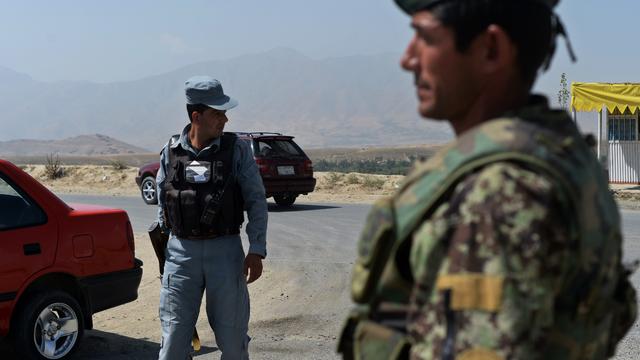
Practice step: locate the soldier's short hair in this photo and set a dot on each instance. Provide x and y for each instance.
(528, 24)
(199, 108)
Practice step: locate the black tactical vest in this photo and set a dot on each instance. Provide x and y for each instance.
(202, 197)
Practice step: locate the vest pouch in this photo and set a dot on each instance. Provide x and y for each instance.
(376, 342)
(190, 213)
(374, 248)
(345, 341)
(172, 210)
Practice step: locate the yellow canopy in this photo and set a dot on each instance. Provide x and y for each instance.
(592, 96)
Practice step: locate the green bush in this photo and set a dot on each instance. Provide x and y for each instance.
(352, 179)
(372, 182)
(118, 164)
(378, 166)
(333, 179)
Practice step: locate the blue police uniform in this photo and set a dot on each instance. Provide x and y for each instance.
(211, 266)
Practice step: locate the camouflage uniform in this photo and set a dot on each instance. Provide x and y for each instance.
(504, 245)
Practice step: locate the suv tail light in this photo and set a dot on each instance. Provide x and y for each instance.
(307, 167)
(130, 238)
(263, 165)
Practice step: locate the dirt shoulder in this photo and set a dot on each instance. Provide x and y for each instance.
(109, 180)
(331, 186)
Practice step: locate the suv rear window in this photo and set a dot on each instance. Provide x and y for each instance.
(276, 148)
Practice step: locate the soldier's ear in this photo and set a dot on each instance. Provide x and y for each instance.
(195, 116)
(495, 49)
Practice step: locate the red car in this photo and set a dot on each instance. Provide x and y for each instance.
(59, 264)
(285, 169)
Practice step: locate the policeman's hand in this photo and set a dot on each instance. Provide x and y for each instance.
(252, 267)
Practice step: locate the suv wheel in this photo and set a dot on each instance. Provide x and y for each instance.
(285, 199)
(49, 326)
(148, 190)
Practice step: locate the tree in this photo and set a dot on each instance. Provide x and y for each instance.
(563, 93)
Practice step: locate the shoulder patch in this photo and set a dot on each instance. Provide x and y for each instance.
(478, 354)
(473, 291)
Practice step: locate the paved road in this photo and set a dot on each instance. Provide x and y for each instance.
(316, 240)
(325, 234)
(305, 232)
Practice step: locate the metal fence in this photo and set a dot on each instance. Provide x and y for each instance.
(624, 162)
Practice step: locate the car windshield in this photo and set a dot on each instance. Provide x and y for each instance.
(277, 147)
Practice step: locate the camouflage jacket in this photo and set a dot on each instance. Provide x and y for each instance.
(505, 245)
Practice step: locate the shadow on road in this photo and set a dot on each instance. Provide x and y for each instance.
(298, 207)
(100, 345)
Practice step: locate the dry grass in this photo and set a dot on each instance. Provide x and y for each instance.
(352, 179)
(373, 183)
(88, 179)
(118, 164)
(134, 160)
(332, 180)
(107, 180)
(53, 168)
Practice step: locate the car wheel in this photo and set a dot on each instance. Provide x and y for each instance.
(285, 200)
(148, 190)
(49, 326)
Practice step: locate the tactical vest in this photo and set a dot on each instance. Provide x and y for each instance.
(595, 306)
(198, 186)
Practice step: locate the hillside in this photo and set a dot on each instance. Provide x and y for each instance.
(82, 145)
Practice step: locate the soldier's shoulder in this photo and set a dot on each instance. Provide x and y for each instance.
(242, 143)
(172, 140)
(497, 174)
(505, 181)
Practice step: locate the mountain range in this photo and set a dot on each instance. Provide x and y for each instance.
(348, 101)
(84, 145)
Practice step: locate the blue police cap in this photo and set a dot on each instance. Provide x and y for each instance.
(208, 91)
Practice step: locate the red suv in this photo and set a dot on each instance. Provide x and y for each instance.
(59, 264)
(285, 169)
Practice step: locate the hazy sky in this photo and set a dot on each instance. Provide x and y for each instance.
(115, 40)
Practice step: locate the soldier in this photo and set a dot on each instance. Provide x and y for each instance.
(207, 178)
(507, 243)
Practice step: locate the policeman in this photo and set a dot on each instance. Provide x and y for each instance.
(205, 181)
(507, 243)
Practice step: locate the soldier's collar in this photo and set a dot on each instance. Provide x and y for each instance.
(184, 138)
(535, 104)
(214, 145)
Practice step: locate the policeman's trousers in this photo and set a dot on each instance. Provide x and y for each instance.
(213, 267)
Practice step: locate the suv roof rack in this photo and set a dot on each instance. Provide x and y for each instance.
(257, 133)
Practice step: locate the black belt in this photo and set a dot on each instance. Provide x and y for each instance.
(212, 234)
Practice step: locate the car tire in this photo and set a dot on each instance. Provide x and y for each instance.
(49, 325)
(285, 200)
(148, 190)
